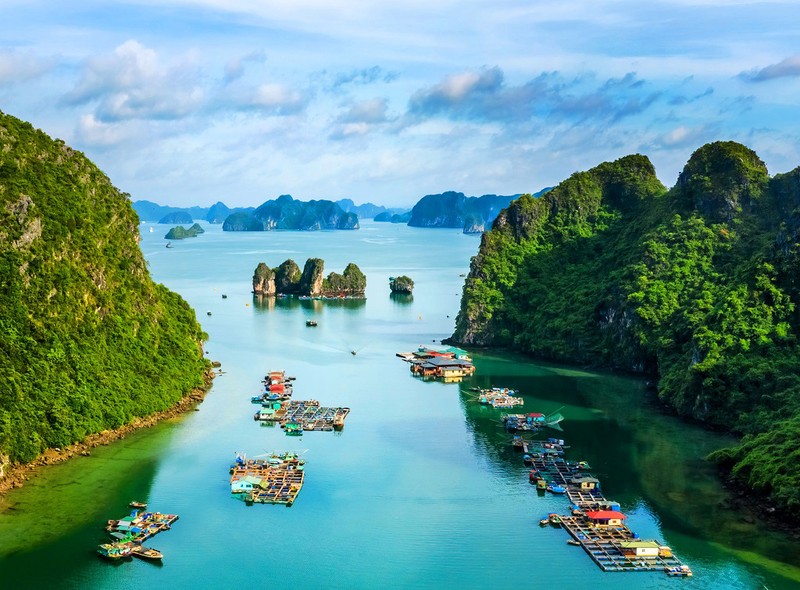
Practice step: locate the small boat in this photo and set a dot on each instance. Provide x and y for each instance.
(146, 552)
(682, 570)
(140, 505)
(544, 522)
(208, 313)
(293, 428)
(311, 323)
(573, 542)
(224, 296)
(169, 244)
(114, 550)
(556, 489)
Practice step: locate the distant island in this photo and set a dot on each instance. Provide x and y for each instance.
(179, 232)
(286, 212)
(287, 279)
(386, 216)
(455, 210)
(445, 210)
(151, 212)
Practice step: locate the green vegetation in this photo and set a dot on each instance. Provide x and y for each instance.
(698, 284)
(89, 342)
(351, 282)
(288, 213)
(179, 232)
(287, 279)
(401, 284)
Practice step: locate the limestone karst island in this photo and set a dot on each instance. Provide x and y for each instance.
(432, 296)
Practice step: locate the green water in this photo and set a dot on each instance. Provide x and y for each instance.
(420, 489)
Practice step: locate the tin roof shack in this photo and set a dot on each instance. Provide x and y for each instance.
(245, 484)
(446, 368)
(640, 549)
(606, 518)
(585, 481)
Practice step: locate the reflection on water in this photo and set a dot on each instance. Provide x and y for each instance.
(264, 303)
(645, 458)
(421, 489)
(401, 298)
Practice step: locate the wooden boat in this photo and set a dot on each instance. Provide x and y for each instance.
(146, 553)
(140, 505)
(682, 571)
(114, 550)
(573, 542)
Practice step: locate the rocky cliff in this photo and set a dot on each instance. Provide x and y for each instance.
(452, 209)
(288, 213)
(695, 285)
(89, 341)
(287, 279)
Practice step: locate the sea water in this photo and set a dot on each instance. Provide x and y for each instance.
(421, 488)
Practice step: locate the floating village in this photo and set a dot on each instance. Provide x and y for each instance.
(591, 520)
(129, 532)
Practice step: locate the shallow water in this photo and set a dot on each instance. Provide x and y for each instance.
(421, 487)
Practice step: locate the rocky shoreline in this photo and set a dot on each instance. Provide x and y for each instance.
(14, 476)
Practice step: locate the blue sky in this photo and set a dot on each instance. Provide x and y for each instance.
(193, 101)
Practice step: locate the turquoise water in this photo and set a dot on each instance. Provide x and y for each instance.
(420, 489)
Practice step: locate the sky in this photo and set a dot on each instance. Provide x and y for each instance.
(190, 102)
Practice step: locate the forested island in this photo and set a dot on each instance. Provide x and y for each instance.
(286, 212)
(90, 342)
(180, 233)
(218, 212)
(287, 279)
(697, 285)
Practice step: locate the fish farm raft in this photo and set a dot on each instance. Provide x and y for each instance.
(594, 522)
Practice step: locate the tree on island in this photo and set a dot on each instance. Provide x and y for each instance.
(287, 279)
(401, 284)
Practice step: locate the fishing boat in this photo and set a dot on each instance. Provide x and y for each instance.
(293, 428)
(114, 550)
(683, 571)
(139, 505)
(146, 553)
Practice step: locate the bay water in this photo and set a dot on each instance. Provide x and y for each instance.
(420, 489)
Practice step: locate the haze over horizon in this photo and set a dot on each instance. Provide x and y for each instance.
(190, 102)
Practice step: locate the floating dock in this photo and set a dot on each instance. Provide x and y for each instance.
(140, 527)
(275, 480)
(595, 523)
(307, 413)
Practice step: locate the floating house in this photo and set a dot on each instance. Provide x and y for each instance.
(605, 518)
(442, 367)
(643, 549)
(246, 484)
(585, 481)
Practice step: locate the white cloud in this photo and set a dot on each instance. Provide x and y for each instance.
(21, 66)
(134, 82)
